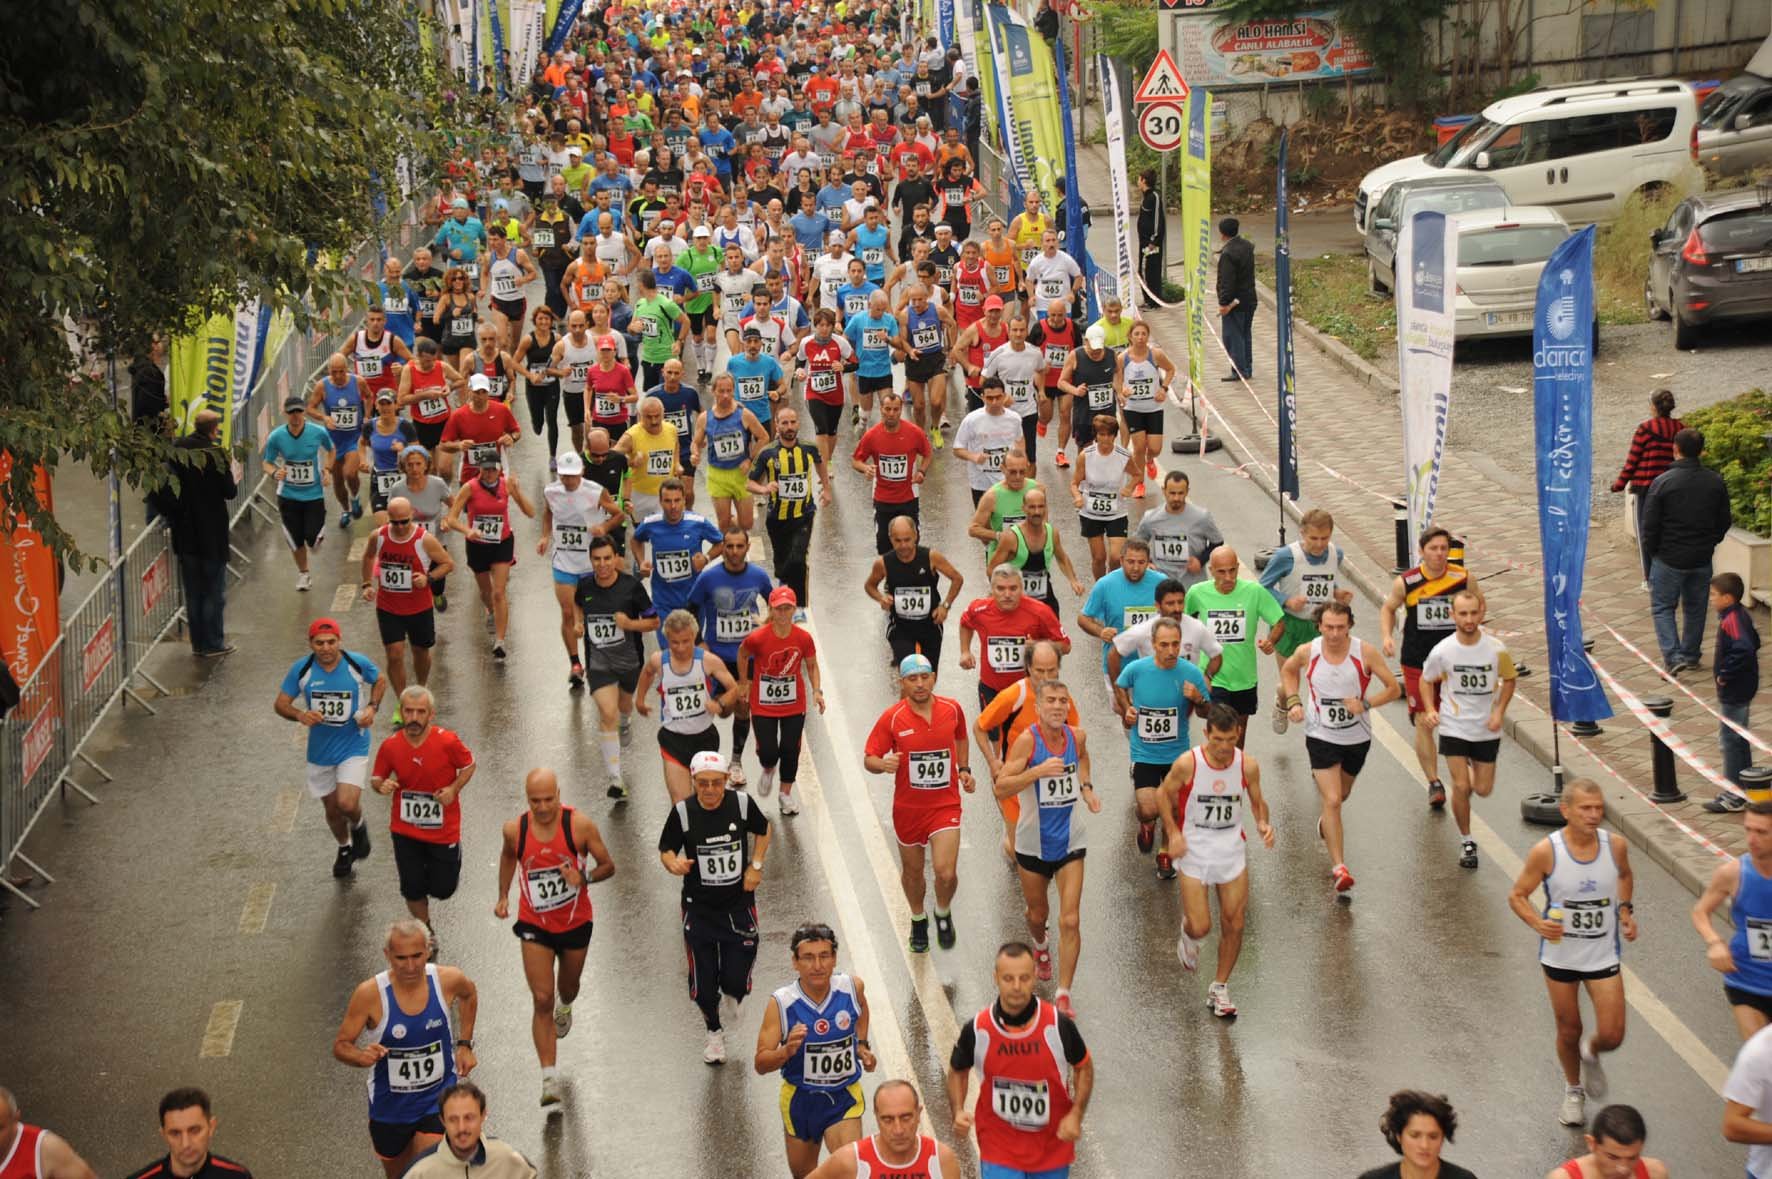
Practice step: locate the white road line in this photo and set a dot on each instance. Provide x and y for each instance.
(283, 812)
(1699, 1058)
(257, 909)
(355, 553)
(344, 597)
(218, 1036)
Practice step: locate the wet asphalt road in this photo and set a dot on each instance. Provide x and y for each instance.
(1424, 980)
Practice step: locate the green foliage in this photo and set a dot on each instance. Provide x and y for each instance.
(1735, 447)
(161, 159)
(1393, 32)
(1621, 255)
(1128, 32)
(1330, 294)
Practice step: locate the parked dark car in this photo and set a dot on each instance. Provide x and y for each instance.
(1437, 194)
(1712, 261)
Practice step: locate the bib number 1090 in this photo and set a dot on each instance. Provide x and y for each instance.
(1026, 1105)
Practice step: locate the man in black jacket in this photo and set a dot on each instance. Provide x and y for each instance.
(1236, 297)
(197, 509)
(1685, 518)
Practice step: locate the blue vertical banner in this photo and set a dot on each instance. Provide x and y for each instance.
(563, 25)
(1563, 431)
(498, 51)
(1076, 242)
(944, 21)
(1284, 363)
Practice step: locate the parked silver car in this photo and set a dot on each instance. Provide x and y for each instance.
(1735, 123)
(1451, 195)
(1501, 254)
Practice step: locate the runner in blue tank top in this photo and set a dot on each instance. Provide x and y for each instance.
(1744, 957)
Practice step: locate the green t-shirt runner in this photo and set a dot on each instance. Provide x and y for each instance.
(697, 263)
(653, 320)
(1236, 620)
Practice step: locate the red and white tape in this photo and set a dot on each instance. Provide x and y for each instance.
(1751, 738)
(1684, 828)
(1664, 731)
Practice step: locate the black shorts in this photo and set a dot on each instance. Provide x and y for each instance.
(1142, 422)
(872, 384)
(1326, 755)
(1083, 419)
(924, 369)
(482, 557)
(1148, 775)
(576, 938)
(1740, 998)
(1558, 974)
(390, 1139)
(304, 521)
(699, 320)
(1247, 701)
(378, 499)
(426, 869)
(825, 416)
(597, 677)
(418, 629)
(1047, 868)
(885, 514)
(682, 747)
(512, 309)
(533, 189)
(1478, 751)
(574, 404)
(912, 640)
(1114, 527)
(430, 436)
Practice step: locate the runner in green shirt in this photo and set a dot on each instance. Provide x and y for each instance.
(657, 320)
(702, 261)
(1234, 610)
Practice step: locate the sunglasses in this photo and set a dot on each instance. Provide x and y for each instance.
(399, 519)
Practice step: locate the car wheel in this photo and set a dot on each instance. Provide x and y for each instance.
(1373, 286)
(1596, 348)
(1685, 334)
(1649, 303)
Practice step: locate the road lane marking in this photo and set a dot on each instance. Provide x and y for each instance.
(344, 597)
(283, 812)
(1673, 1032)
(218, 1037)
(257, 909)
(357, 549)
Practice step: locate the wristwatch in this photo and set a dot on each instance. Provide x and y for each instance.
(465, 1043)
(756, 865)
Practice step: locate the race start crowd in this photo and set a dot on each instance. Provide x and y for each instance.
(736, 215)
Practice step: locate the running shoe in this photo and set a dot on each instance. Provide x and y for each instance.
(344, 519)
(356, 509)
(562, 1020)
(618, 790)
(1467, 856)
(1188, 950)
(398, 719)
(626, 731)
(1343, 879)
(735, 776)
(442, 603)
(919, 942)
(1147, 836)
(550, 1092)
(1150, 468)
(1574, 1112)
(766, 783)
(1165, 867)
(1726, 803)
(1218, 997)
(490, 623)
(935, 438)
(1040, 429)
(342, 863)
(304, 582)
(1436, 794)
(1066, 1008)
(575, 679)
(855, 417)
(1282, 718)
(790, 803)
(1138, 492)
(360, 841)
(945, 935)
(1593, 1073)
(1061, 459)
(714, 1051)
(498, 649)
(553, 466)
(1043, 965)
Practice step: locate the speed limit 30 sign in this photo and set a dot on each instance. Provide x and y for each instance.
(1162, 125)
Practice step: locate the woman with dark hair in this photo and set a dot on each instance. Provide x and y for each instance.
(1153, 229)
(1418, 1126)
(1651, 453)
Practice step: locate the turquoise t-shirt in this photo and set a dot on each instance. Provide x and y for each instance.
(300, 455)
(1160, 734)
(1119, 602)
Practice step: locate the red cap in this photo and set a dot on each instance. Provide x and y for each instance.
(606, 342)
(783, 595)
(993, 304)
(322, 626)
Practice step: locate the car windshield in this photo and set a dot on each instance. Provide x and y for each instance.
(1513, 245)
(1746, 232)
(1719, 105)
(1458, 151)
(1454, 200)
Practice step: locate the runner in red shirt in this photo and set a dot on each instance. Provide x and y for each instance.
(778, 673)
(551, 843)
(1005, 622)
(424, 767)
(895, 454)
(921, 741)
(400, 563)
(609, 391)
(822, 357)
(482, 429)
(971, 286)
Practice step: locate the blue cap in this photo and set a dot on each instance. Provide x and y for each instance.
(914, 664)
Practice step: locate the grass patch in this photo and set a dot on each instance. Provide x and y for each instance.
(1330, 293)
(1621, 257)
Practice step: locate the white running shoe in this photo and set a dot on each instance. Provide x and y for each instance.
(1282, 718)
(1574, 1111)
(714, 1052)
(550, 1092)
(1218, 997)
(562, 1020)
(1188, 950)
(766, 783)
(790, 803)
(1593, 1074)
(735, 775)
(304, 582)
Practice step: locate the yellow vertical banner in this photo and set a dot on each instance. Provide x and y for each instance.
(202, 369)
(1196, 227)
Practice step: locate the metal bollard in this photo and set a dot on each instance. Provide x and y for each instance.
(1585, 728)
(1756, 783)
(1667, 789)
(1401, 507)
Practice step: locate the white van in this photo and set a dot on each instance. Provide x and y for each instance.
(1582, 150)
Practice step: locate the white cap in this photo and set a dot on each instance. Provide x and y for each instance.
(702, 231)
(708, 761)
(1096, 336)
(569, 463)
(480, 381)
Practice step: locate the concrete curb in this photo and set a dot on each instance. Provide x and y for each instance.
(1528, 725)
(1335, 350)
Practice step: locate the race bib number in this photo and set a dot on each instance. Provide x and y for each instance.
(369, 366)
(779, 689)
(386, 481)
(993, 460)
(1142, 391)
(1035, 583)
(791, 487)
(1470, 680)
(735, 303)
(461, 325)
(602, 630)
(1028, 254)
(1588, 920)
(301, 473)
(1026, 1105)
(1434, 613)
(544, 239)
(483, 454)
(1759, 939)
(1100, 396)
(504, 286)
(829, 1065)
(677, 566)
(752, 389)
(822, 381)
(1053, 288)
(572, 538)
(1056, 355)
(396, 577)
(1101, 503)
(334, 707)
(660, 462)
(873, 339)
(1218, 812)
(893, 468)
(577, 371)
(1131, 616)
(421, 810)
(729, 446)
(1170, 550)
(649, 328)
(913, 601)
(873, 256)
(680, 419)
(926, 339)
(1317, 588)
(605, 407)
(433, 407)
(488, 529)
(1005, 653)
(733, 626)
(704, 281)
(1227, 626)
(413, 1070)
(1021, 395)
(854, 304)
(1159, 725)
(1001, 275)
(930, 770)
(1059, 789)
(548, 889)
(1337, 715)
(685, 702)
(720, 864)
(344, 417)
(971, 296)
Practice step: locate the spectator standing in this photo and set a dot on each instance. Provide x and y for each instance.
(1153, 233)
(1736, 666)
(1651, 453)
(197, 510)
(147, 387)
(1418, 1126)
(188, 1124)
(1236, 297)
(1686, 517)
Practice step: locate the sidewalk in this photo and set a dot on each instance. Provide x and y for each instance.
(1353, 426)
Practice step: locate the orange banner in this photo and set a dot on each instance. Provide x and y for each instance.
(30, 614)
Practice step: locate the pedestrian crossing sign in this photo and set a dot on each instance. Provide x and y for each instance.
(1162, 82)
